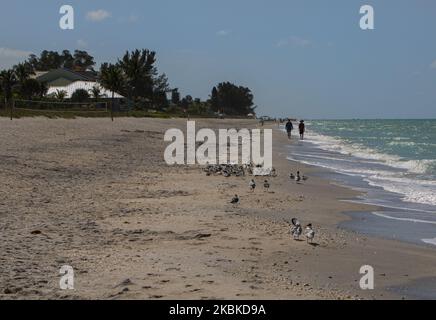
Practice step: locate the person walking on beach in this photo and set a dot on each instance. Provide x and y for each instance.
(302, 128)
(289, 128)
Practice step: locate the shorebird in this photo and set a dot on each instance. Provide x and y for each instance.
(235, 201)
(296, 229)
(292, 176)
(298, 177)
(305, 178)
(266, 185)
(310, 233)
(252, 185)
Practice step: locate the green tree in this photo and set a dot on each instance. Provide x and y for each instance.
(8, 80)
(67, 59)
(234, 100)
(186, 102)
(60, 95)
(214, 101)
(175, 96)
(47, 60)
(111, 78)
(23, 71)
(139, 71)
(26, 88)
(83, 61)
(96, 92)
(43, 88)
(80, 95)
(160, 89)
(30, 88)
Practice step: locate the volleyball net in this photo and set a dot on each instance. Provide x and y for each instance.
(60, 106)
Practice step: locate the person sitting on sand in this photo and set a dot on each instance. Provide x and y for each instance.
(289, 128)
(302, 128)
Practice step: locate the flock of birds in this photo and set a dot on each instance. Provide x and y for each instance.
(228, 170)
(225, 170)
(297, 231)
(298, 177)
(252, 185)
(296, 227)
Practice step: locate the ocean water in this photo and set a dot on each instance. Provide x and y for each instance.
(393, 162)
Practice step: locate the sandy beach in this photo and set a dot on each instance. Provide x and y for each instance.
(98, 196)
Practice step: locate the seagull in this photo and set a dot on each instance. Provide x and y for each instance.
(235, 200)
(252, 185)
(305, 178)
(292, 176)
(310, 233)
(266, 185)
(296, 229)
(298, 177)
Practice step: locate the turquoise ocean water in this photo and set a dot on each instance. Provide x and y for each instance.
(393, 164)
(397, 155)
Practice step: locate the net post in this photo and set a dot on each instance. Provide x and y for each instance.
(112, 111)
(12, 109)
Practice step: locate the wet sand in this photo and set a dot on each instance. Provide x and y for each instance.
(99, 197)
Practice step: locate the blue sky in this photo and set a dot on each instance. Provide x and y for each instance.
(305, 58)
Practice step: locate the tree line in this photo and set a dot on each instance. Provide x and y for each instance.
(134, 75)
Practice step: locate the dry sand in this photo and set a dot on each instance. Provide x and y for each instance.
(99, 197)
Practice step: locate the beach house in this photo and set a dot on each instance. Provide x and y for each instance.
(70, 81)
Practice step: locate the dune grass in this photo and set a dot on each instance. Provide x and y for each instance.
(53, 114)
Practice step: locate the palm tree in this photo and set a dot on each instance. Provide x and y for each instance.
(138, 67)
(43, 88)
(23, 71)
(112, 79)
(7, 81)
(60, 95)
(96, 92)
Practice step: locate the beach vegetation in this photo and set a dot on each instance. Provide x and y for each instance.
(133, 76)
(80, 95)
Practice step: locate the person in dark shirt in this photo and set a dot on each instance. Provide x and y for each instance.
(289, 128)
(302, 128)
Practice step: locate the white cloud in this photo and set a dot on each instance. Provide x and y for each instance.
(13, 53)
(98, 15)
(223, 33)
(294, 41)
(433, 65)
(10, 57)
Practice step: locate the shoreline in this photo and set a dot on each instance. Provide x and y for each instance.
(407, 289)
(421, 287)
(105, 203)
(391, 210)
